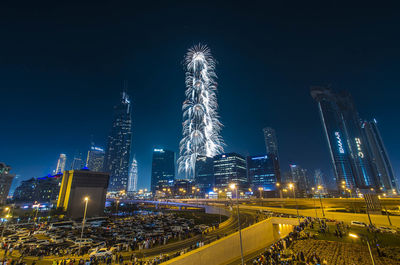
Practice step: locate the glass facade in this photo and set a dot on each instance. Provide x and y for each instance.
(230, 168)
(261, 172)
(204, 177)
(117, 157)
(163, 169)
(346, 143)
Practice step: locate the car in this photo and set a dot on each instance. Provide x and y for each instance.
(83, 241)
(103, 252)
(57, 239)
(386, 229)
(40, 232)
(359, 224)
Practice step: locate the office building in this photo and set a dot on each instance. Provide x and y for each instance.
(117, 157)
(95, 159)
(318, 178)
(133, 176)
(77, 163)
(385, 177)
(271, 145)
(61, 164)
(204, 176)
(230, 168)
(6, 179)
(261, 172)
(342, 128)
(43, 190)
(300, 178)
(78, 184)
(162, 169)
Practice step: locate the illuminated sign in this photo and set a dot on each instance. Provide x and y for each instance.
(159, 150)
(97, 148)
(358, 143)
(339, 142)
(259, 157)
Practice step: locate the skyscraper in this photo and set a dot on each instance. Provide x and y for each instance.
(201, 126)
(95, 159)
(261, 172)
(271, 144)
(133, 176)
(230, 168)
(346, 143)
(204, 178)
(5, 182)
(61, 163)
(77, 163)
(300, 178)
(163, 169)
(117, 157)
(385, 176)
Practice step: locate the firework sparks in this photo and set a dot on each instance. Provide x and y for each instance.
(201, 126)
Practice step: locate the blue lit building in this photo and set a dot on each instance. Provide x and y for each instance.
(230, 168)
(347, 145)
(117, 155)
(204, 173)
(162, 169)
(261, 172)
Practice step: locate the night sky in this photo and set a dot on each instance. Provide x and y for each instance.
(62, 69)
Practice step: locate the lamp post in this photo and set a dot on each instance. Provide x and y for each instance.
(291, 186)
(260, 189)
(233, 187)
(369, 247)
(279, 188)
(8, 209)
(83, 223)
(320, 200)
(315, 207)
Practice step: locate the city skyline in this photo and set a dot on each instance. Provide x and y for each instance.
(284, 105)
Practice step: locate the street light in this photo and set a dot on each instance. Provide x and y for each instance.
(315, 207)
(320, 200)
(86, 199)
(291, 186)
(233, 187)
(369, 247)
(8, 209)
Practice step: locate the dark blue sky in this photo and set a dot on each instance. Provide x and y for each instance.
(62, 69)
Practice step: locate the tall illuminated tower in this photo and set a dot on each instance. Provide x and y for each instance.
(61, 163)
(133, 176)
(201, 126)
(117, 157)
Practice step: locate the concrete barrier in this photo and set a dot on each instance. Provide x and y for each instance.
(227, 249)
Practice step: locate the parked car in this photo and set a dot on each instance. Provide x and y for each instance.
(103, 252)
(386, 229)
(359, 224)
(83, 241)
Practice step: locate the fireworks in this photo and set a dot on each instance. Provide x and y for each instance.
(201, 126)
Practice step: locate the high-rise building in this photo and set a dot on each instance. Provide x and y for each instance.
(95, 159)
(204, 177)
(230, 168)
(61, 163)
(385, 177)
(6, 179)
(133, 176)
(77, 163)
(346, 143)
(201, 125)
(76, 185)
(271, 144)
(318, 178)
(300, 178)
(261, 172)
(117, 157)
(163, 169)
